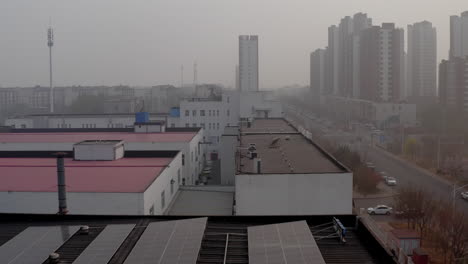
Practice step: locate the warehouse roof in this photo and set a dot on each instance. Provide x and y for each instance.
(74, 137)
(283, 150)
(223, 239)
(40, 174)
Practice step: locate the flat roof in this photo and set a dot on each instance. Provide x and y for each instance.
(283, 150)
(202, 202)
(126, 175)
(74, 137)
(100, 142)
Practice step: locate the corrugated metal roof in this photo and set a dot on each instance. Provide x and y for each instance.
(39, 174)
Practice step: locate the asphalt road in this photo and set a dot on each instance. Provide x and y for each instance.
(405, 173)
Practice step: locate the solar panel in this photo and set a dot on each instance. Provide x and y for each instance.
(283, 243)
(105, 245)
(169, 242)
(34, 244)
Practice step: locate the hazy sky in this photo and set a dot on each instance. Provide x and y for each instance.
(145, 42)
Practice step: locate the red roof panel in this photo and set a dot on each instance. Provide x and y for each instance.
(40, 174)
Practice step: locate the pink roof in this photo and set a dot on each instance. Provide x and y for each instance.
(78, 137)
(40, 174)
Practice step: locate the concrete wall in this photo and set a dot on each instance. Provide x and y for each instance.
(152, 195)
(294, 194)
(228, 149)
(78, 203)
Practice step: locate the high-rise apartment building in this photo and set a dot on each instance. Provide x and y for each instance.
(317, 74)
(459, 35)
(248, 63)
(331, 77)
(453, 82)
(382, 63)
(422, 60)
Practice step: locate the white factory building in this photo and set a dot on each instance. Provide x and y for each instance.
(190, 143)
(215, 112)
(277, 171)
(100, 179)
(86, 121)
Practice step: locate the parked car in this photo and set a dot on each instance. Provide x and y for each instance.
(464, 195)
(379, 210)
(391, 181)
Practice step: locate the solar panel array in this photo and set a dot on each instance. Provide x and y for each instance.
(34, 244)
(283, 243)
(169, 242)
(105, 245)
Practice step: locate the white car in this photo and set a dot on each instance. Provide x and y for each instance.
(464, 195)
(379, 210)
(391, 181)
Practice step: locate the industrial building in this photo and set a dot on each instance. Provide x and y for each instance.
(278, 171)
(123, 239)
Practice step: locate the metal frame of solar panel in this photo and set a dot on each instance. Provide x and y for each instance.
(169, 242)
(290, 242)
(34, 244)
(105, 245)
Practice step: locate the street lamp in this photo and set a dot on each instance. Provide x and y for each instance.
(455, 191)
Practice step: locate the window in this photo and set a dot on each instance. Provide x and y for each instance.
(217, 126)
(172, 125)
(202, 125)
(82, 125)
(228, 99)
(217, 112)
(194, 113)
(194, 125)
(209, 125)
(191, 156)
(228, 113)
(187, 124)
(163, 200)
(187, 113)
(69, 126)
(202, 112)
(23, 126)
(178, 176)
(209, 112)
(151, 210)
(183, 159)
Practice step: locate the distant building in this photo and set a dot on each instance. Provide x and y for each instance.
(248, 63)
(422, 60)
(317, 74)
(278, 171)
(459, 35)
(453, 83)
(332, 55)
(382, 63)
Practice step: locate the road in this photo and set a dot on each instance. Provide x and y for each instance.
(405, 173)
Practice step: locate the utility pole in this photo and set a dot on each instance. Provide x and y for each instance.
(50, 44)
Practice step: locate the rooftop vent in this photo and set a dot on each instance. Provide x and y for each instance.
(150, 127)
(99, 150)
(54, 258)
(274, 143)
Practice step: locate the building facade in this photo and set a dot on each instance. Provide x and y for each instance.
(248, 63)
(317, 74)
(459, 35)
(453, 83)
(422, 60)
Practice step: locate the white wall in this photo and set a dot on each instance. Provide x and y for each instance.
(78, 203)
(253, 102)
(294, 194)
(152, 195)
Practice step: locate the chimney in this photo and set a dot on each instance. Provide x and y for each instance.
(62, 192)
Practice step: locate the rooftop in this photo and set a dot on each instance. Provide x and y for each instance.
(74, 137)
(203, 200)
(216, 239)
(40, 174)
(100, 142)
(283, 150)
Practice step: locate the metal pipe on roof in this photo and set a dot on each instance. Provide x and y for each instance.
(62, 191)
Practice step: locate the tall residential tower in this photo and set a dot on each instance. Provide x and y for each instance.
(422, 60)
(459, 35)
(248, 63)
